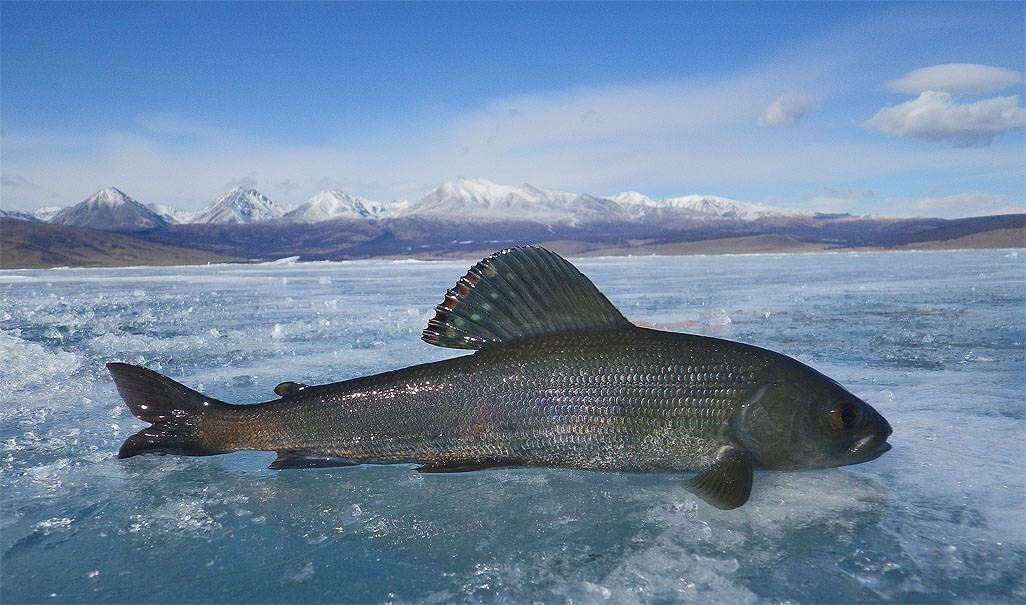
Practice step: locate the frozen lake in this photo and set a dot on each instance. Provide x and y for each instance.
(934, 341)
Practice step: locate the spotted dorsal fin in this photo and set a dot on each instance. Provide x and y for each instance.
(518, 293)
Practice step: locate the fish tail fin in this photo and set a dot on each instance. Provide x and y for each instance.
(174, 410)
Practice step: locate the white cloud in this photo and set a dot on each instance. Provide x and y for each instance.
(968, 203)
(935, 115)
(788, 108)
(830, 199)
(16, 181)
(601, 114)
(176, 128)
(957, 79)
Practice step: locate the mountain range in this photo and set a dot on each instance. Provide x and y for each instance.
(463, 218)
(463, 199)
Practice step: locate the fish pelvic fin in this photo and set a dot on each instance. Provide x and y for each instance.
(174, 411)
(518, 293)
(463, 466)
(299, 459)
(727, 483)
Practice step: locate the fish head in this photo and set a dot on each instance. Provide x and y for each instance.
(803, 419)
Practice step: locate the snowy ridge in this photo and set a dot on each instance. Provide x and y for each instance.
(46, 213)
(239, 206)
(387, 209)
(726, 208)
(700, 206)
(337, 204)
(17, 214)
(170, 214)
(629, 198)
(479, 199)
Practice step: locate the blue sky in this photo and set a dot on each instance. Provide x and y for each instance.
(804, 105)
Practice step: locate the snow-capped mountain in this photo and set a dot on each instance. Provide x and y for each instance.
(639, 205)
(111, 210)
(726, 208)
(170, 214)
(479, 199)
(631, 198)
(46, 213)
(18, 214)
(389, 209)
(333, 204)
(239, 206)
(337, 204)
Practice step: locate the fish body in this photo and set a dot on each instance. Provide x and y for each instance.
(625, 399)
(559, 379)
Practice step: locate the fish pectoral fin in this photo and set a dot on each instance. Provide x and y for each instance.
(289, 388)
(461, 466)
(292, 459)
(728, 482)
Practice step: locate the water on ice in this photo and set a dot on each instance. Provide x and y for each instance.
(935, 341)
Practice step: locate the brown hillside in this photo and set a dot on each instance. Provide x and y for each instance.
(27, 245)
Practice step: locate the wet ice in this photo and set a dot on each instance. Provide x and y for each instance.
(935, 341)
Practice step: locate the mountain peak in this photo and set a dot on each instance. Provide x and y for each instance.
(239, 205)
(332, 204)
(109, 209)
(241, 190)
(46, 213)
(473, 187)
(632, 197)
(109, 195)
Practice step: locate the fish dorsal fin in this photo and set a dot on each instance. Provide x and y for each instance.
(517, 293)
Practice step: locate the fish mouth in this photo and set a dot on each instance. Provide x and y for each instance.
(871, 446)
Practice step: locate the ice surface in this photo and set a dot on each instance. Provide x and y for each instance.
(934, 340)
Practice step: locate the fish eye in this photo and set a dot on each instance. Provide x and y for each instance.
(844, 416)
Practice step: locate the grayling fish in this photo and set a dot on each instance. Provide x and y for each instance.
(560, 378)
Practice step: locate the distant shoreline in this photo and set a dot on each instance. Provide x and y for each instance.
(35, 245)
(125, 251)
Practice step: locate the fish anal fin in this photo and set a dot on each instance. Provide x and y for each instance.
(461, 466)
(727, 483)
(518, 293)
(291, 459)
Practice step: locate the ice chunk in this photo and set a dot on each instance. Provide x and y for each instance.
(28, 364)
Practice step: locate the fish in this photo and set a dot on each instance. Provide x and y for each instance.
(558, 378)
